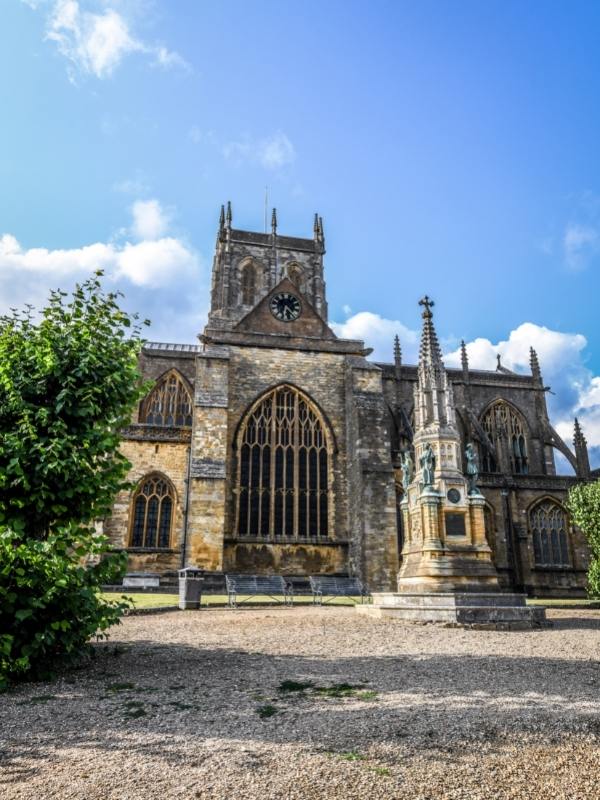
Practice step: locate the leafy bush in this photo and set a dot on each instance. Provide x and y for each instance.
(584, 506)
(68, 385)
(49, 603)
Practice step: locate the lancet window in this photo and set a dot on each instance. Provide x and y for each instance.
(501, 423)
(284, 463)
(548, 524)
(248, 284)
(169, 403)
(152, 513)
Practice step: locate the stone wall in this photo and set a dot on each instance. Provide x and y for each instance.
(169, 459)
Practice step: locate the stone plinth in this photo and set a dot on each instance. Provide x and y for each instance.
(487, 610)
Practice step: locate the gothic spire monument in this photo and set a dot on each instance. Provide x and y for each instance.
(445, 548)
(447, 573)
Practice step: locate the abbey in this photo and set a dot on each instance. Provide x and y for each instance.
(273, 446)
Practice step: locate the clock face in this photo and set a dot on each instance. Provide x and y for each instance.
(285, 306)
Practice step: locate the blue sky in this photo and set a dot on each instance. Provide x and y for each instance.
(450, 147)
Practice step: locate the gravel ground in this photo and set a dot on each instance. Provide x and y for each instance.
(312, 703)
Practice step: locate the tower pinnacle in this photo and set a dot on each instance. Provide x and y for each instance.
(429, 353)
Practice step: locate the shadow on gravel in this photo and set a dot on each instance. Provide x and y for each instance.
(153, 699)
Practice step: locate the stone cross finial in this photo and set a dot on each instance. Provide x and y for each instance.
(427, 303)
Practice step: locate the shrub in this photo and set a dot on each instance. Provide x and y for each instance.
(68, 384)
(584, 506)
(49, 603)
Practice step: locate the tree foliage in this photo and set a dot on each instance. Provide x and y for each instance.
(68, 384)
(584, 506)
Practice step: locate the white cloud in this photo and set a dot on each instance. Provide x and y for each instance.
(96, 43)
(273, 152)
(378, 333)
(150, 221)
(581, 245)
(153, 261)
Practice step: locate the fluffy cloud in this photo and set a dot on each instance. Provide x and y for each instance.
(378, 333)
(96, 43)
(152, 261)
(272, 152)
(150, 221)
(575, 390)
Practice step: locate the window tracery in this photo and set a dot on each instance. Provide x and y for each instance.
(169, 403)
(284, 462)
(152, 513)
(502, 422)
(549, 525)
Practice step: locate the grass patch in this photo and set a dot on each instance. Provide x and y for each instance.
(163, 600)
(384, 771)
(351, 755)
(338, 690)
(567, 602)
(294, 686)
(367, 695)
(264, 712)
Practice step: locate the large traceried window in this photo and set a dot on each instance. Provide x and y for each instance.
(169, 403)
(284, 462)
(152, 513)
(502, 422)
(549, 525)
(248, 284)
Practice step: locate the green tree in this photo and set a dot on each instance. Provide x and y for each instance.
(68, 384)
(584, 506)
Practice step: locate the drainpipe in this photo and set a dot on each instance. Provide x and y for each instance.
(186, 507)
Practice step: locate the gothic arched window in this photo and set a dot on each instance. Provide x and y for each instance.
(248, 284)
(169, 403)
(549, 525)
(284, 463)
(152, 513)
(502, 422)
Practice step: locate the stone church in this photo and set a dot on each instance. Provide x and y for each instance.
(273, 446)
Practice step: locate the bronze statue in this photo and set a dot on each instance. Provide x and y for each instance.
(427, 463)
(472, 468)
(407, 469)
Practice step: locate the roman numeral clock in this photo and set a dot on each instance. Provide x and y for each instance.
(285, 306)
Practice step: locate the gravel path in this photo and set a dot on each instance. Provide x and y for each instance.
(312, 703)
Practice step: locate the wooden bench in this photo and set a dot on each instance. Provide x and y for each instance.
(325, 586)
(249, 586)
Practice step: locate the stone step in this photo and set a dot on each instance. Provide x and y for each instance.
(450, 599)
(525, 617)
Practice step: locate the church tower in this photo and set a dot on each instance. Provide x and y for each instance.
(445, 548)
(247, 265)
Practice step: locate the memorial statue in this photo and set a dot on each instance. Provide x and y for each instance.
(472, 468)
(427, 463)
(407, 470)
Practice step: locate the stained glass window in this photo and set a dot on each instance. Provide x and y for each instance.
(284, 459)
(152, 513)
(548, 524)
(502, 422)
(169, 403)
